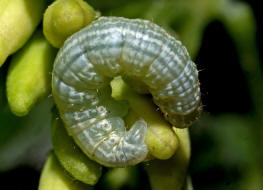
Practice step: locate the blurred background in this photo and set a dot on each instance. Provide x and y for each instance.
(224, 39)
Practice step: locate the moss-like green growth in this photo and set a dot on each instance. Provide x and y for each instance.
(18, 19)
(71, 157)
(161, 141)
(65, 17)
(29, 76)
(54, 177)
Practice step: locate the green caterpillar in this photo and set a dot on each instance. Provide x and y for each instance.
(139, 51)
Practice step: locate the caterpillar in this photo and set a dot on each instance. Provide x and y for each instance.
(135, 49)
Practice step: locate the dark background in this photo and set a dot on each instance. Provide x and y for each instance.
(224, 90)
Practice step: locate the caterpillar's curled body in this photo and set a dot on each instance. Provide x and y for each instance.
(133, 48)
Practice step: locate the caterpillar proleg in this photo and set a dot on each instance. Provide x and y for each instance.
(136, 49)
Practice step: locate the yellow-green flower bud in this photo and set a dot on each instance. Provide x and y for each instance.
(29, 76)
(172, 173)
(54, 177)
(18, 20)
(65, 17)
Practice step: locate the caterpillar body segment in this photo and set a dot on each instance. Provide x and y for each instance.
(134, 48)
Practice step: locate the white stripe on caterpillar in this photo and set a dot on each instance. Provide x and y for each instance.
(135, 49)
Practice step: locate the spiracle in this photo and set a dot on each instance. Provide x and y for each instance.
(133, 48)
